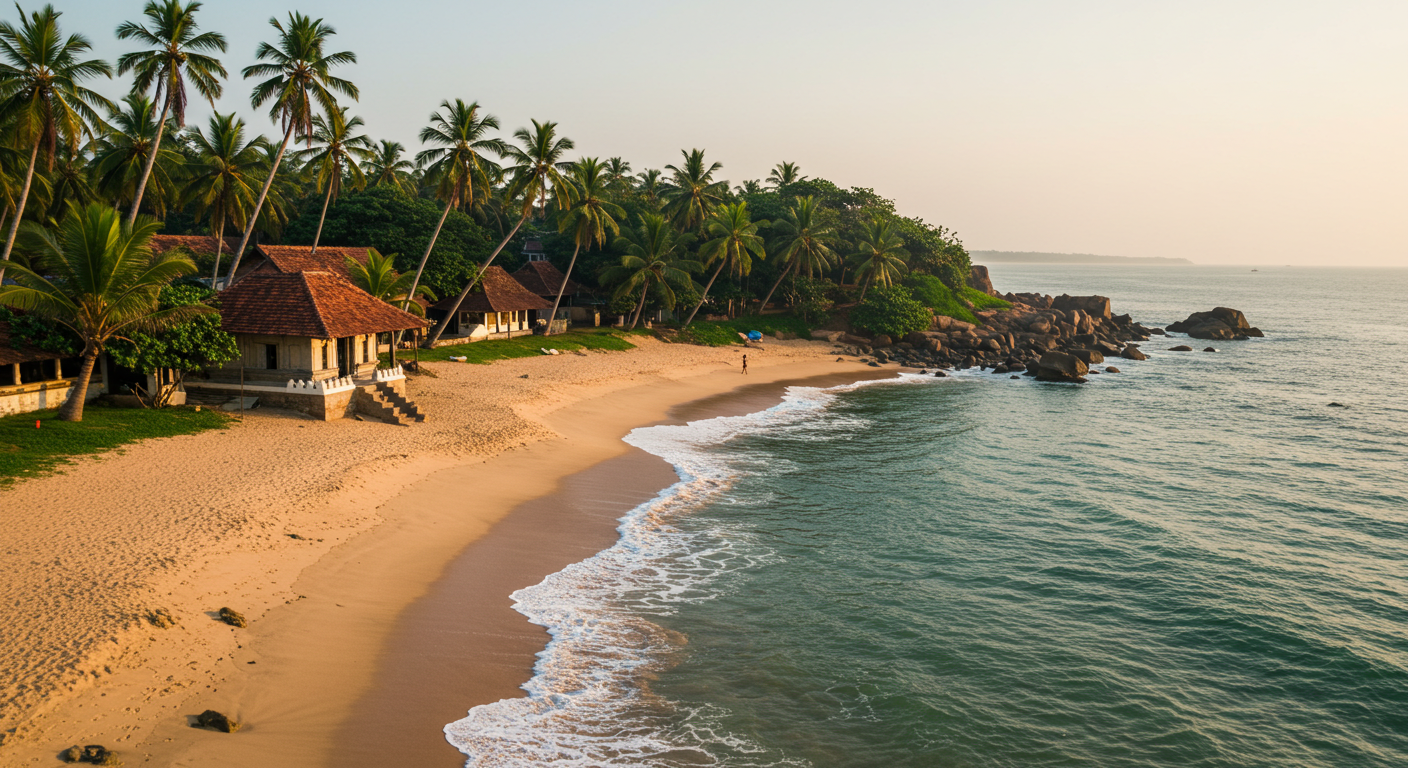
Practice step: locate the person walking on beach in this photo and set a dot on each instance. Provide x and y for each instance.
(745, 364)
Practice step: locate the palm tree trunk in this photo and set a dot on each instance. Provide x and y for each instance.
(705, 296)
(254, 214)
(445, 322)
(219, 249)
(411, 294)
(764, 305)
(72, 409)
(321, 218)
(19, 208)
(863, 288)
(151, 160)
(563, 287)
(644, 291)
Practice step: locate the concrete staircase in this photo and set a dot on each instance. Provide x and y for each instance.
(381, 401)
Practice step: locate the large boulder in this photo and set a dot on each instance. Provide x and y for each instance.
(1132, 352)
(1061, 366)
(978, 278)
(1095, 306)
(1089, 356)
(1223, 323)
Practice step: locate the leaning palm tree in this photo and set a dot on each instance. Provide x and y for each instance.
(880, 255)
(456, 163)
(177, 54)
(103, 284)
(804, 245)
(225, 177)
(40, 97)
(299, 75)
(588, 217)
(536, 173)
(336, 151)
(783, 174)
(653, 256)
(388, 166)
(692, 193)
(733, 243)
(132, 153)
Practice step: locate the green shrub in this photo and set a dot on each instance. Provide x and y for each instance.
(934, 294)
(892, 311)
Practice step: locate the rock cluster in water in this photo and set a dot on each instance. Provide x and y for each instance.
(1057, 338)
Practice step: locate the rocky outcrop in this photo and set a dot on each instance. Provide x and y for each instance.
(1061, 366)
(1221, 323)
(979, 278)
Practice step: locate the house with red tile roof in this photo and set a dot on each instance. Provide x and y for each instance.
(499, 308)
(307, 341)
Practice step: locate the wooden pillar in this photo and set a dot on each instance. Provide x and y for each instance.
(15, 371)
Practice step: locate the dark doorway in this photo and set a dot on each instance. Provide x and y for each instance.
(271, 356)
(344, 357)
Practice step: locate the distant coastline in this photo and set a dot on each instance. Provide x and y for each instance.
(1035, 257)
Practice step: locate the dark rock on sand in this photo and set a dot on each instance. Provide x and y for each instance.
(940, 375)
(232, 617)
(161, 619)
(216, 721)
(94, 754)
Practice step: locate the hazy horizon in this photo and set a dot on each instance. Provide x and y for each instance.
(1224, 133)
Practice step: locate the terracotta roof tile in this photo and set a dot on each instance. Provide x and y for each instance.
(499, 293)
(317, 305)
(204, 244)
(300, 258)
(24, 353)
(542, 278)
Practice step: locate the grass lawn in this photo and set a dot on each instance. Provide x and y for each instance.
(721, 333)
(527, 345)
(945, 301)
(29, 452)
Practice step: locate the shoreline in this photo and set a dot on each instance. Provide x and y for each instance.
(375, 537)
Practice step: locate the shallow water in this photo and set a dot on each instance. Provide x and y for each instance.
(1195, 562)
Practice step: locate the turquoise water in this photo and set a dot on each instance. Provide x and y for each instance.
(1197, 562)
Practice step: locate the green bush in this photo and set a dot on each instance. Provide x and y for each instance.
(892, 311)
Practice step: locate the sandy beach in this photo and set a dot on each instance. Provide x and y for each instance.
(340, 542)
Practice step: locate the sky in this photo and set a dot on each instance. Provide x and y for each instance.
(1229, 132)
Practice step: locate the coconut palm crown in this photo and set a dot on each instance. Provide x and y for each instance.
(178, 53)
(41, 95)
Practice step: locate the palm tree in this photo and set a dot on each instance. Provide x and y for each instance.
(298, 75)
(177, 54)
(537, 171)
(105, 282)
(388, 166)
(880, 255)
(806, 243)
(456, 161)
(589, 216)
(651, 257)
(749, 187)
(649, 184)
(783, 174)
(224, 177)
(692, 193)
(285, 191)
(618, 174)
(69, 180)
(40, 95)
(380, 278)
(734, 242)
(336, 152)
(123, 158)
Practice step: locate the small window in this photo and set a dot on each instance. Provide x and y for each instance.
(325, 354)
(271, 356)
(366, 349)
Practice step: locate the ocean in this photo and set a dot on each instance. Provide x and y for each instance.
(1196, 563)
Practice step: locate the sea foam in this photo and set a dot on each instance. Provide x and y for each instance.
(589, 701)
